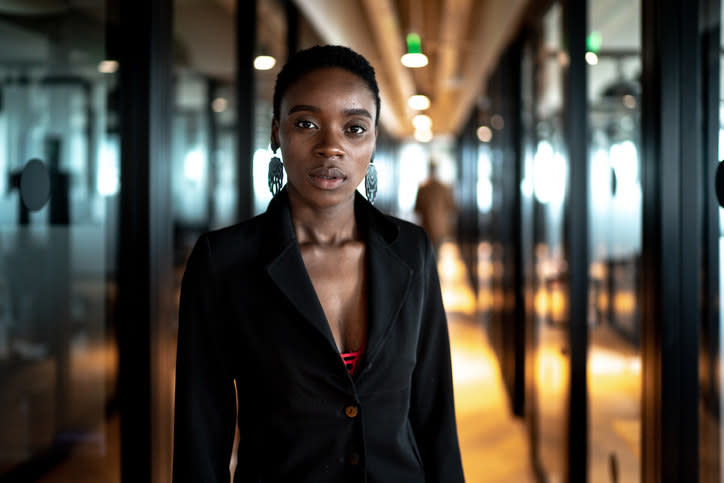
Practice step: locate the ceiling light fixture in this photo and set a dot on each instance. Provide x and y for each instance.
(414, 58)
(485, 134)
(418, 102)
(107, 66)
(422, 121)
(423, 135)
(264, 62)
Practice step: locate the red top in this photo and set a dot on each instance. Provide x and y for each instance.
(351, 359)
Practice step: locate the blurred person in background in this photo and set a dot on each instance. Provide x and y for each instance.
(436, 207)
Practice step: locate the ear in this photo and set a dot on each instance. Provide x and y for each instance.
(274, 138)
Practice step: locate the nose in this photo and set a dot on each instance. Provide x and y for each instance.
(329, 144)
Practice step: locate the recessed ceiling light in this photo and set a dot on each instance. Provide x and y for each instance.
(418, 102)
(264, 62)
(422, 121)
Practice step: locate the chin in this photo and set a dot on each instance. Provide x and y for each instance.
(326, 199)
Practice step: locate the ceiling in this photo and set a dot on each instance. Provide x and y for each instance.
(462, 39)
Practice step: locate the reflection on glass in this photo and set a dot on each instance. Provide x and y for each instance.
(543, 188)
(59, 182)
(615, 208)
(711, 416)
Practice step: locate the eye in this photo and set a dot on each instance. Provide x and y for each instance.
(357, 129)
(304, 124)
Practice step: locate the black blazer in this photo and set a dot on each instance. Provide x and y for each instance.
(249, 313)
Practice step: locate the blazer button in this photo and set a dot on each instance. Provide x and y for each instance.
(351, 411)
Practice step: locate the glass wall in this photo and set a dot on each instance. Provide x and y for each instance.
(204, 162)
(59, 183)
(615, 211)
(544, 188)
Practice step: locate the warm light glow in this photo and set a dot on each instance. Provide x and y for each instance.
(629, 101)
(591, 58)
(456, 293)
(563, 59)
(414, 61)
(624, 303)
(418, 102)
(423, 135)
(264, 62)
(485, 134)
(219, 104)
(422, 121)
(108, 66)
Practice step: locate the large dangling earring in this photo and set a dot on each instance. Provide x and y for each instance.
(276, 174)
(371, 182)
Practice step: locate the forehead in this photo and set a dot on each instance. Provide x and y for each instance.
(329, 86)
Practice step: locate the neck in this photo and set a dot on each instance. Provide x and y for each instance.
(334, 225)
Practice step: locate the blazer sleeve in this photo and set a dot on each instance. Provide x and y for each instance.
(205, 408)
(432, 409)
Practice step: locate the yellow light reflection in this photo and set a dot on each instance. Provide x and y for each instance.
(551, 372)
(457, 295)
(624, 303)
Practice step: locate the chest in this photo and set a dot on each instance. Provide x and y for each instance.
(339, 278)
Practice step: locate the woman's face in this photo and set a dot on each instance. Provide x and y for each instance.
(327, 135)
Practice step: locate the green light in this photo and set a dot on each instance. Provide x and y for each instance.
(594, 41)
(414, 44)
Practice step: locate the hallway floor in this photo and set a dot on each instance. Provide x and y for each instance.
(493, 443)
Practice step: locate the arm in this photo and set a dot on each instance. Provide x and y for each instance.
(205, 400)
(432, 410)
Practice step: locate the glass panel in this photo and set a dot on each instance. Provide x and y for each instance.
(544, 188)
(204, 161)
(615, 209)
(714, 463)
(59, 181)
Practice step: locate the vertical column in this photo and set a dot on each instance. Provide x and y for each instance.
(710, 330)
(245, 41)
(292, 15)
(145, 268)
(515, 110)
(576, 233)
(672, 227)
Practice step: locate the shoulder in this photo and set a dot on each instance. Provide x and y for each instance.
(411, 243)
(231, 245)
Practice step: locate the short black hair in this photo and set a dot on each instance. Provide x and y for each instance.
(321, 56)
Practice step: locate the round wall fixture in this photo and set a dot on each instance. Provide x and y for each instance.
(720, 183)
(35, 185)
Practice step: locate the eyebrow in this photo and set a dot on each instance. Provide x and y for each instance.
(303, 107)
(347, 112)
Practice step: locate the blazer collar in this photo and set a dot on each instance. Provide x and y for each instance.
(388, 276)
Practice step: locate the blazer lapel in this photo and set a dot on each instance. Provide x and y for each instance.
(285, 266)
(388, 276)
(388, 283)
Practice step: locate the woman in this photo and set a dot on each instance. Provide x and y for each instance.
(277, 303)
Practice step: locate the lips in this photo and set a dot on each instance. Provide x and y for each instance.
(327, 178)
